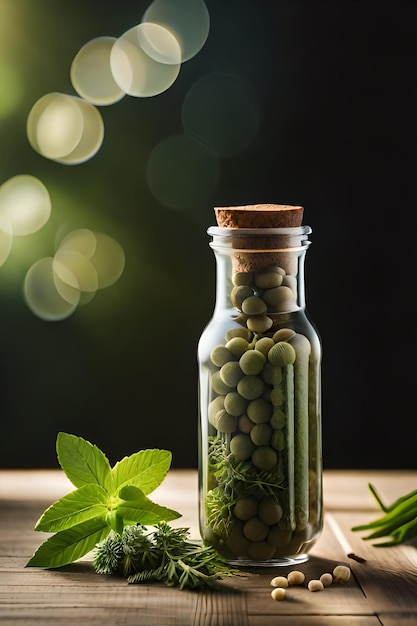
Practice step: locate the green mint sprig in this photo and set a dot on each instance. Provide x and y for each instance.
(399, 522)
(106, 498)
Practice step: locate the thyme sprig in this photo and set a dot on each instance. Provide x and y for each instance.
(399, 521)
(241, 475)
(163, 554)
(235, 479)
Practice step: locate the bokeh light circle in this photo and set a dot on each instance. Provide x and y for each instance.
(25, 203)
(82, 240)
(76, 270)
(70, 294)
(84, 262)
(108, 260)
(65, 128)
(91, 138)
(188, 20)
(55, 125)
(91, 74)
(220, 110)
(159, 43)
(41, 294)
(137, 73)
(182, 173)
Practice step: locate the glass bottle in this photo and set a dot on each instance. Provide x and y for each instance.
(260, 462)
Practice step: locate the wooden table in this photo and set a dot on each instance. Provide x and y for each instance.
(382, 590)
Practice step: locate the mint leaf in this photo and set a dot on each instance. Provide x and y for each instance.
(69, 545)
(145, 512)
(78, 506)
(83, 462)
(130, 492)
(136, 508)
(145, 469)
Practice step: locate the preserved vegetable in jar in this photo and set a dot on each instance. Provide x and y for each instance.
(260, 462)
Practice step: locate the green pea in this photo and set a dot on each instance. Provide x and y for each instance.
(239, 294)
(235, 404)
(245, 425)
(268, 279)
(259, 410)
(242, 446)
(279, 299)
(271, 375)
(254, 305)
(267, 373)
(281, 354)
(250, 387)
(238, 332)
(221, 355)
(231, 373)
(214, 407)
(270, 511)
(242, 278)
(261, 434)
(245, 508)
(278, 418)
(255, 530)
(283, 334)
(238, 346)
(264, 345)
(226, 423)
(291, 282)
(277, 396)
(259, 323)
(236, 541)
(264, 458)
(278, 440)
(252, 362)
(218, 385)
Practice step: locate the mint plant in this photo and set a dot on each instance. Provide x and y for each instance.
(105, 499)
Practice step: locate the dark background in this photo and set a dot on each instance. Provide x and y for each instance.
(335, 90)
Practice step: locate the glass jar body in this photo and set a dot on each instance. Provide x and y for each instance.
(260, 466)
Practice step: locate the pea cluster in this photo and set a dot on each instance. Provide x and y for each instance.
(250, 403)
(252, 411)
(259, 294)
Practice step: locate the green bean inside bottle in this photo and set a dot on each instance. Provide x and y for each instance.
(262, 497)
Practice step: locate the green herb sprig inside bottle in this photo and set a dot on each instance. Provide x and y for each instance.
(260, 462)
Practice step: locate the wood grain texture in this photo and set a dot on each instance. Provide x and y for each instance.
(382, 589)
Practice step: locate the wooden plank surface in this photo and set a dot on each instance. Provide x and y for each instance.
(382, 590)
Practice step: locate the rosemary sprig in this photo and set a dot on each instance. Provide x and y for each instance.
(399, 521)
(164, 554)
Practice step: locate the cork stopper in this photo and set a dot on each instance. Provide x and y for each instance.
(259, 216)
(269, 249)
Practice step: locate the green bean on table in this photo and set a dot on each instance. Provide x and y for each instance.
(399, 522)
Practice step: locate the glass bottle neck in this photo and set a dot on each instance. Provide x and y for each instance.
(260, 272)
